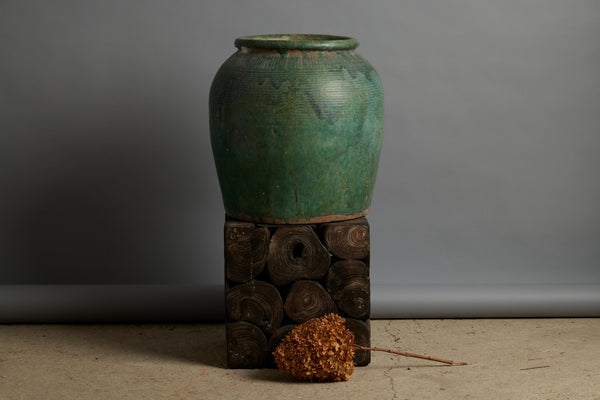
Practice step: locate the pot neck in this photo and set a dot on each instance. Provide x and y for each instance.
(298, 42)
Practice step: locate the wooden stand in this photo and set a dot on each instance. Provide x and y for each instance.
(278, 276)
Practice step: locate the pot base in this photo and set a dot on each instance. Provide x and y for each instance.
(299, 221)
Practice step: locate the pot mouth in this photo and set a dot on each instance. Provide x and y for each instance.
(297, 41)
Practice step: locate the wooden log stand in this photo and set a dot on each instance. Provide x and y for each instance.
(278, 276)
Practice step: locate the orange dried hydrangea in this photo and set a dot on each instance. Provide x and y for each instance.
(318, 350)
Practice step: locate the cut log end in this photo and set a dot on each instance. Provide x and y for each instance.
(348, 284)
(348, 239)
(295, 253)
(246, 249)
(246, 345)
(256, 302)
(306, 300)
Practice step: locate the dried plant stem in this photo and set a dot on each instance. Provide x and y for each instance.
(539, 366)
(405, 354)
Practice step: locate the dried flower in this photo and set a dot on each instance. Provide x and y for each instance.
(320, 349)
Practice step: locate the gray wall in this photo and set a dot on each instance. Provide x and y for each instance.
(488, 195)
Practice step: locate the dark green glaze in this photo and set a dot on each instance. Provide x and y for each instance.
(296, 128)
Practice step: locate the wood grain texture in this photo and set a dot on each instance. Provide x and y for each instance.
(246, 249)
(348, 239)
(306, 300)
(246, 345)
(278, 276)
(256, 302)
(348, 284)
(295, 252)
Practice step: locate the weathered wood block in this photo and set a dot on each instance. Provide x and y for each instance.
(278, 276)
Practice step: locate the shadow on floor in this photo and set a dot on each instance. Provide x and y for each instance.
(195, 343)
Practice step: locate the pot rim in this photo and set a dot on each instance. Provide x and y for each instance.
(297, 41)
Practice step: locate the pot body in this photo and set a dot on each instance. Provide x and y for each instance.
(296, 127)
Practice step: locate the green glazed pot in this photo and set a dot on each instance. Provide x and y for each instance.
(296, 127)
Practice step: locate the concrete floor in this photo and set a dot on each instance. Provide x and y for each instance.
(508, 359)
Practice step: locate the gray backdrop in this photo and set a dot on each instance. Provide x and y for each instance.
(488, 195)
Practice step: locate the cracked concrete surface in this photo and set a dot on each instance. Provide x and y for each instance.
(508, 359)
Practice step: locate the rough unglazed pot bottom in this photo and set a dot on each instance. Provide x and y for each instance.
(313, 220)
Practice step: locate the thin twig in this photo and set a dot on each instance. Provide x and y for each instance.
(400, 353)
(540, 366)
